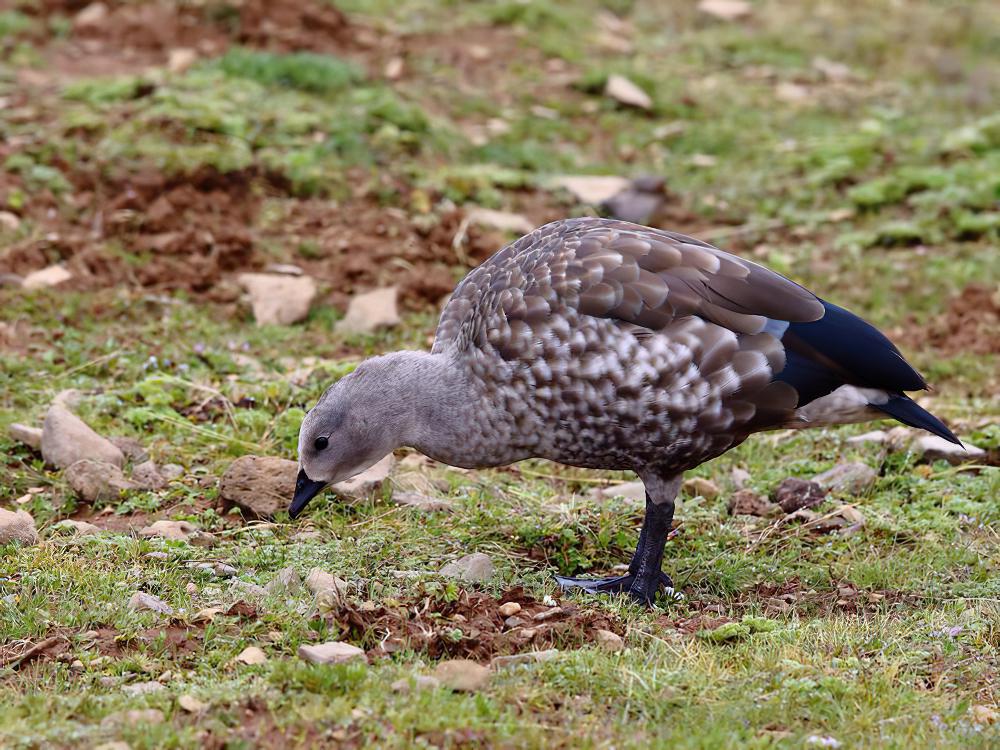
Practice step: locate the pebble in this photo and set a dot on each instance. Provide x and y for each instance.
(547, 614)
(639, 202)
(218, 569)
(594, 190)
(332, 652)
(141, 600)
(739, 477)
(625, 91)
(180, 59)
(725, 10)
(77, 528)
(22, 433)
(131, 448)
(502, 220)
(278, 299)
(172, 471)
(934, 448)
(422, 502)
(191, 704)
(699, 486)
(635, 491)
(17, 527)
(513, 622)
(252, 589)
(46, 277)
(851, 478)
(473, 568)
(67, 439)
(609, 641)
(875, 436)
(97, 481)
(508, 609)
(286, 581)
(528, 657)
(183, 531)
(367, 483)
(252, 655)
(147, 476)
(319, 581)
(462, 675)
(94, 14)
(370, 311)
(157, 555)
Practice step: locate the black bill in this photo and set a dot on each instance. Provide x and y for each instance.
(305, 490)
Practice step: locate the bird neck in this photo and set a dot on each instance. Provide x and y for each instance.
(433, 398)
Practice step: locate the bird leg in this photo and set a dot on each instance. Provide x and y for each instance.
(644, 577)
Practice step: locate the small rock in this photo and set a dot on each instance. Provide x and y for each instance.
(933, 448)
(77, 528)
(278, 299)
(92, 15)
(131, 448)
(76, 665)
(528, 657)
(831, 70)
(594, 190)
(157, 556)
(180, 59)
(183, 531)
(850, 479)
(749, 503)
(135, 716)
(502, 220)
(67, 439)
(635, 491)
(416, 682)
(547, 614)
(252, 655)
(875, 436)
(147, 476)
(143, 688)
(288, 269)
(508, 609)
(362, 486)
(260, 485)
(984, 715)
(22, 433)
(319, 581)
(141, 600)
(97, 481)
(790, 92)
(333, 652)
(795, 494)
(473, 568)
(253, 589)
(191, 704)
(422, 502)
(370, 311)
(17, 527)
(192, 588)
(624, 91)
(725, 10)
(9, 221)
(462, 675)
(218, 569)
(513, 622)
(700, 486)
(172, 471)
(287, 581)
(50, 276)
(394, 69)
(609, 641)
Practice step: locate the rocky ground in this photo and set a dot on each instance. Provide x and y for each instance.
(210, 211)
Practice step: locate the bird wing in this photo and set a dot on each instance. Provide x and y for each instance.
(615, 269)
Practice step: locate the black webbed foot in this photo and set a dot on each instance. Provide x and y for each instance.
(643, 591)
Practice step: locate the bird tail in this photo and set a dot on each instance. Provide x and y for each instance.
(907, 411)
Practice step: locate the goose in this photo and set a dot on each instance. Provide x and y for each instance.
(602, 344)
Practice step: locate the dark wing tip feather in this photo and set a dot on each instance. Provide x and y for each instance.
(909, 412)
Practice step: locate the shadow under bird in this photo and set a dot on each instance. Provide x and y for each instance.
(609, 345)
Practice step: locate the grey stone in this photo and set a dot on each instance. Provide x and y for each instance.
(253, 589)
(795, 494)
(625, 91)
(260, 485)
(141, 600)
(148, 476)
(367, 483)
(77, 528)
(22, 433)
(462, 675)
(609, 641)
(370, 311)
(287, 581)
(131, 448)
(67, 439)
(97, 481)
(934, 448)
(17, 527)
(278, 299)
(528, 657)
(473, 568)
(850, 478)
(333, 652)
(319, 581)
(172, 471)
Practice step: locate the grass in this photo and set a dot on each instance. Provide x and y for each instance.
(877, 189)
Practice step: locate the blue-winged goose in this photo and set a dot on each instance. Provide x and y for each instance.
(609, 345)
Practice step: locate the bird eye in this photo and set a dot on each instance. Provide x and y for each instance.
(321, 443)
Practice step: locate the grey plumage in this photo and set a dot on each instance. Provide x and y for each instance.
(604, 344)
